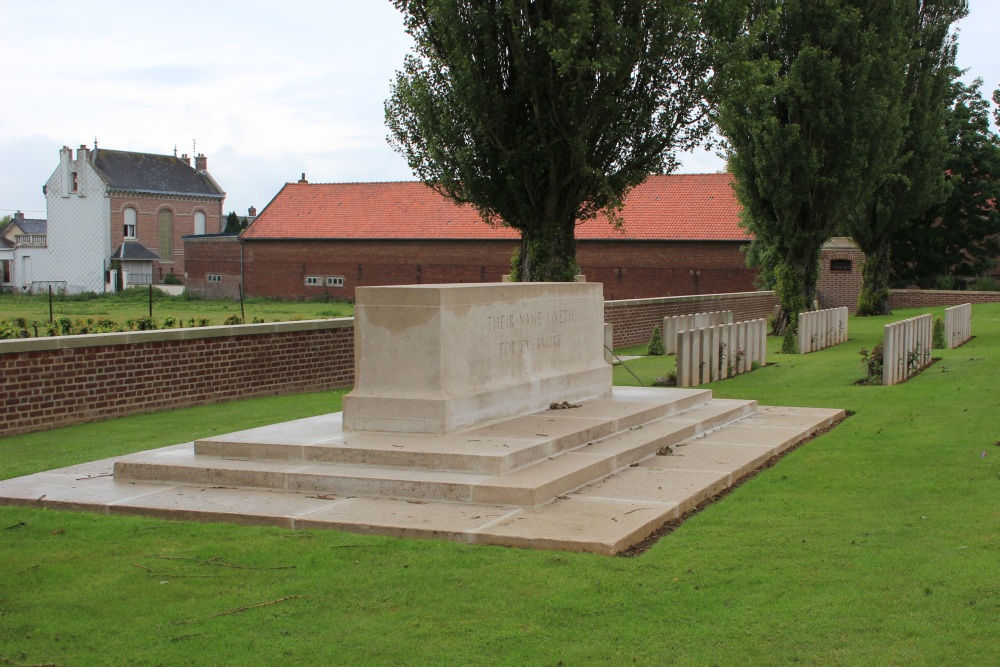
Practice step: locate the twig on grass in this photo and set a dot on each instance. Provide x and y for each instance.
(247, 567)
(141, 567)
(5, 661)
(237, 610)
(193, 634)
(19, 524)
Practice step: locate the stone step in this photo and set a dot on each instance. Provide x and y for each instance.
(530, 485)
(606, 516)
(492, 449)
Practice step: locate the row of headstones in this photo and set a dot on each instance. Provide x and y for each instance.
(675, 323)
(906, 348)
(957, 325)
(820, 329)
(718, 352)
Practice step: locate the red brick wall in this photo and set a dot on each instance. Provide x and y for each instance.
(836, 289)
(147, 208)
(279, 268)
(53, 382)
(628, 269)
(218, 255)
(648, 269)
(913, 298)
(633, 321)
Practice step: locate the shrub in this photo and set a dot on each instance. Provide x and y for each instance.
(233, 319)
(668, 380)
(790, 343)
(871, 364)
(937, 339)
(171, 279)
(945, 282)
(984, 284)
(655, 346)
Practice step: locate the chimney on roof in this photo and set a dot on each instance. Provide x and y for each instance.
(252, 212)
(200, 162)
(19, 217)
(185, 157)
(303, 179)
(83, 152)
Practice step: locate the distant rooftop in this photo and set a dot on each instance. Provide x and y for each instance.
(147, 172)
(665, 207)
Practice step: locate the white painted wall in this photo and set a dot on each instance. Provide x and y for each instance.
(79, 228)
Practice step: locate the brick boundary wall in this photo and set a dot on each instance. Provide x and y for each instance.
(915, 298)
(633, 320)
(54, 382)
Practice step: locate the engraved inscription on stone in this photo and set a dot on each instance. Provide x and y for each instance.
(510, 323)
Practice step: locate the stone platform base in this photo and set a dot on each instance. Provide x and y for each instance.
(600, 477)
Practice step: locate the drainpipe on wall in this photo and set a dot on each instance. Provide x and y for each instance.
(243, 285)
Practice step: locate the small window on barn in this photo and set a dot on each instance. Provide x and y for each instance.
(314, 281)
(335, 281)
(840, 265)
(213, 277)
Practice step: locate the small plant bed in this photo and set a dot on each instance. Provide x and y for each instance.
(27, 316)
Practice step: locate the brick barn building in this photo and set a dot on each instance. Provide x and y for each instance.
(679, 235)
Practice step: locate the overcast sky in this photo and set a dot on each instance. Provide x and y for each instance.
(266, 90)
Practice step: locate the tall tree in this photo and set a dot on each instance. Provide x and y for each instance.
(960, 237)
(232, 223)
(543, 113)
(916, 179)
(808, 105)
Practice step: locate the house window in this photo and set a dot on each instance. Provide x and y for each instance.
(314, 281)
(199, 222)
(129, 231)
(840, 265)
(335, 281)
(5, 276)
(166, 235)
(74, 182)
(213, 277)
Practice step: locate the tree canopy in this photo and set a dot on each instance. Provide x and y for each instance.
(543, 113)
(233, 225)
(915, 179)
(808, 103)
(958, 238)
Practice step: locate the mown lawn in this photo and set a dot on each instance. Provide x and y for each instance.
(875, 544)
(134, 304)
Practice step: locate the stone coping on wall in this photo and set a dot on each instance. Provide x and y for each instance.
(686, 298)
(163, 335)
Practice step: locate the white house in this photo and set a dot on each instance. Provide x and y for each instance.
(108, 206)
(22, 242)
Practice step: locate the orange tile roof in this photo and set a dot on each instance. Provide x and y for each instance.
(691, 207)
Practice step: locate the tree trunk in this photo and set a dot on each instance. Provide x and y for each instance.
(795, 287)
(548, 253)
(874, 296)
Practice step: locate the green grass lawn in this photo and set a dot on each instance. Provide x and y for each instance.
(875, 544)
(134, 304)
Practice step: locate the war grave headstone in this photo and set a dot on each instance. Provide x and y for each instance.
(483, 413)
